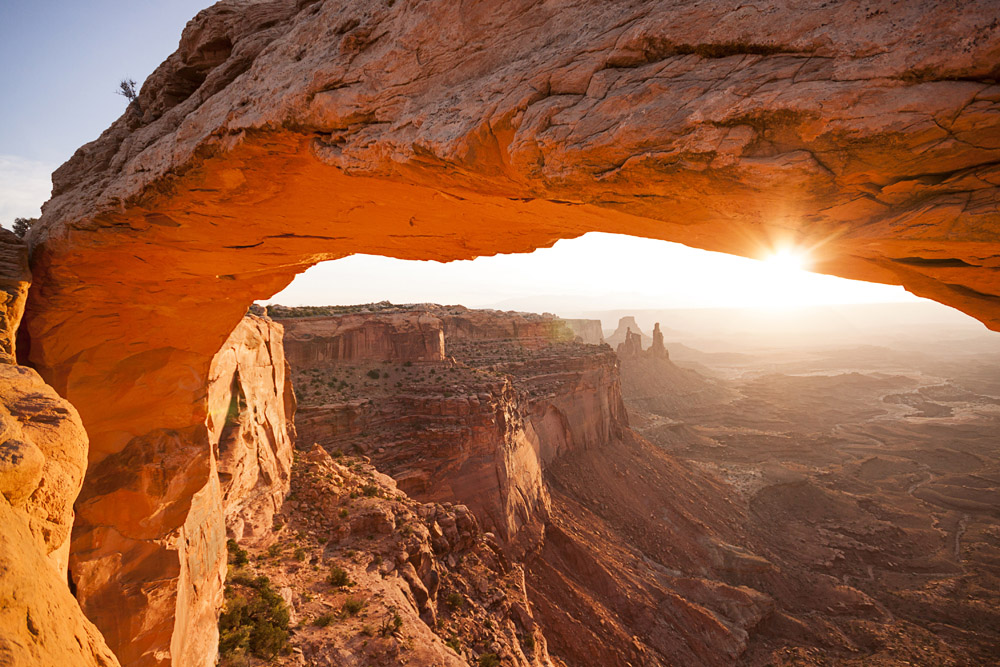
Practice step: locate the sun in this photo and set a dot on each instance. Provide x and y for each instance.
(786, 261)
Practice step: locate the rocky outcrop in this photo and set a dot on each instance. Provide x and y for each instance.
(436, 587)
(284, 133)
(657, 349)
(587, 331)
(40, 621)
(15, 278)
(43, 455)
(164, 503)
(478, 429)
(252, 421)
(625, 325)
(358, 338)
(631, 346)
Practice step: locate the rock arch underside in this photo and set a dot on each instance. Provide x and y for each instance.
(281, 134)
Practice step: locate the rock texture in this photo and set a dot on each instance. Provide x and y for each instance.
(148, 557)
(40, 621)
(359, 338)
(282, 133)
(456, 595)
(15, 279)
(43, 455)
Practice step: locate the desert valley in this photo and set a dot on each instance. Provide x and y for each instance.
(194, 475)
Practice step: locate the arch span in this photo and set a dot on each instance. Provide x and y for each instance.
(284, 133)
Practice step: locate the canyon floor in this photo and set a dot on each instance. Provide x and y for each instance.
(809, 506)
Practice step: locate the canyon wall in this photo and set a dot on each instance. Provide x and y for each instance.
(284, 133)
(478, 428)
(359, 338)
(43, 455)
(149, 546)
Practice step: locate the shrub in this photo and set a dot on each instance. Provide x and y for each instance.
(237, 556)
(455, 600)
(369, 490)
(374, 374)
(338, 577)
(489, 660)
(299, 554)
(323, 620)
(454, 643)
(391, 624)
(353, 606)
(254, 619)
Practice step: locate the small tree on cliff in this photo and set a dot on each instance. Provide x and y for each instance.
(22, 225)
(126, 88)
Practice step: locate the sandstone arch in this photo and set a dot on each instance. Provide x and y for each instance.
(284, 133)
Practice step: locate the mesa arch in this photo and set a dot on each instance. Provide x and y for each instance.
(284, 133)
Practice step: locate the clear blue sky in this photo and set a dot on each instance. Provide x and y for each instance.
(63, 59)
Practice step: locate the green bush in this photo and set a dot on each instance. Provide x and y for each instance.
(324, 620)
(489, 660)
(254, 619)
(353, 606)
(455, 600)
(374, 374)
(338, 577)
(237, 556)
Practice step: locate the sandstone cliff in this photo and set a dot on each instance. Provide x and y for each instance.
(357, 338)
(163, 505)
(43, 454)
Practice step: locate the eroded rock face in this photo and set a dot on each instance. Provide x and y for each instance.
(284, 133)
(15, 278)
(43, 454)
(40, 621)
(358, 338)
(149, 545)
(588, 331)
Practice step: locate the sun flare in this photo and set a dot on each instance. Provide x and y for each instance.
(786, 260)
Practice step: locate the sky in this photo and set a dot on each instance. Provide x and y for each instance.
(62, 61)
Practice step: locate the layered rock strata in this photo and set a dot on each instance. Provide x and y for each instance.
(476, 429)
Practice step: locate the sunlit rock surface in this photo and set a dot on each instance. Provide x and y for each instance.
(15, 278)
(284, 133)
(149, 547)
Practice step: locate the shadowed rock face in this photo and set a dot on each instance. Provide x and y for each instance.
(284, 133)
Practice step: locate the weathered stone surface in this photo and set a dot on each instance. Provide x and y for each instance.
(149, 545)
(252, 407)
(353, 338)
(15, 278)
(284, 133)
(43, 454)
(40, 621)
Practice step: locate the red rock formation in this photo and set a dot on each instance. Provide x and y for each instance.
(657, 349)
(43, 454)
(284, 133)
(631, 346)
(354, 338)
(164, 503)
